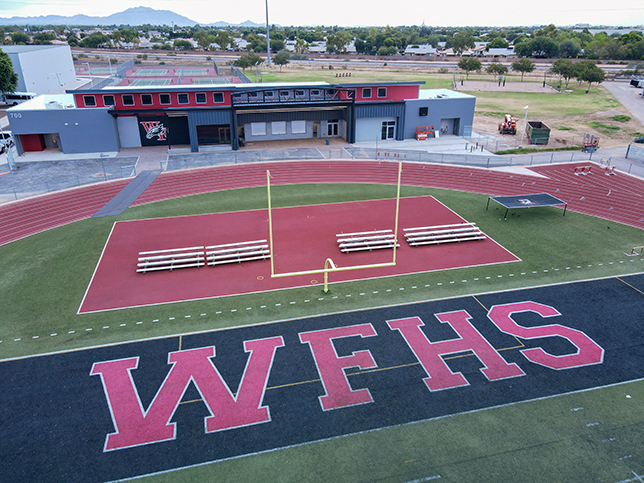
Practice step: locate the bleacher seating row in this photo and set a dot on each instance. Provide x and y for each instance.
(434, 235)
(237, 252)
(422, 235)
(173, 258)
(170, 259)
(367, 240)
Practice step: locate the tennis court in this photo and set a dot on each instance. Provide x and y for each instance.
(150, 82)
(191, 72)
(149, 72)
(210, 80)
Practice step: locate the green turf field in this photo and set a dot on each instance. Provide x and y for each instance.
(45, 277)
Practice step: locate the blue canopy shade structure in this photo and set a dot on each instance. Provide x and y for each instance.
(526, 201)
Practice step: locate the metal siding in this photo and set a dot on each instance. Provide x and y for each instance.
(380, 110)
(205, 118)
(209, 117)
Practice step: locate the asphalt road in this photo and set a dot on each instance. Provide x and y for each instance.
(629, 96)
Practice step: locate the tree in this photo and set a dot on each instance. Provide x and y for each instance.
(569, 48)
(247, 60)
(8, 78)
(462, 41)
(497, 43)
(44, 38)
(183, 44)
(587, 71)
(19, 38)
(496, 69)
(97, 39)
(223, 39)
(523, 65)
(469, 64)
(203, 39)
(565, 68)
(277, 45)
(301, 46)
(282, 58)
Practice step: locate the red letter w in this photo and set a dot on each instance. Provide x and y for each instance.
(135, 427)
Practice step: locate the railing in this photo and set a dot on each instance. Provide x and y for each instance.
(293, 96)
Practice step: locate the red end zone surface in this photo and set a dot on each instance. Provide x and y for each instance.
(304, 237)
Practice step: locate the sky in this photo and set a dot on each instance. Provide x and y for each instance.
(358, 12)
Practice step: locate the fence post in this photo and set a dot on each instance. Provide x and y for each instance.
(15, 194)
(488, 162)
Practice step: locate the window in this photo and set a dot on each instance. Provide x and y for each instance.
(183, 98)
(366, 93)
(423, 111)
(146, 99)
(258, 128)
(200, 97)
(300, 92)
(128, 99)
(217, 97)
(108, 101)
(298, 127)
(382, 92)
(164, 98)
(278, 127)
(315, 92)
(90, 101)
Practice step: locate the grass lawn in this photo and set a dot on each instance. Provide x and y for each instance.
(576, 103)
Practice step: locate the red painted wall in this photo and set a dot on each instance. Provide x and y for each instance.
(394, 93)
(32, 142)
(156, 103)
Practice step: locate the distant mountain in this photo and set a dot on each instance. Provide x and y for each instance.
(131, 16)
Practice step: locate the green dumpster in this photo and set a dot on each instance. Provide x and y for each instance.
(538, 132)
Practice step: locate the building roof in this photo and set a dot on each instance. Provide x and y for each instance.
(442, 94)
(18, 49)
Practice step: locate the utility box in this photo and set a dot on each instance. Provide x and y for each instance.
(538, 132)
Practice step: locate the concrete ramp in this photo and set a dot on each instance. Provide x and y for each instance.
(128, 195)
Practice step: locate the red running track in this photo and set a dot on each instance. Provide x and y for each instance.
(304, 237)
(619, 198)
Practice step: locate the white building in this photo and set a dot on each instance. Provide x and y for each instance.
(41, 68)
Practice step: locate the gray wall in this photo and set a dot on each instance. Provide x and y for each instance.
(41, 69)
(269, 136)
(79, 130)
(445, 108)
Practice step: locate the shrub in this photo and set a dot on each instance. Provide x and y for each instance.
(621, 118)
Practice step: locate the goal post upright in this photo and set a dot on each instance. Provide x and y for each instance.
(329, 266)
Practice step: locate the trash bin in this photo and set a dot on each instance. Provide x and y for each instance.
(328, 141)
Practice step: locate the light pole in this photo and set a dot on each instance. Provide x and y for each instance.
(268, 39)
(525, 123)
